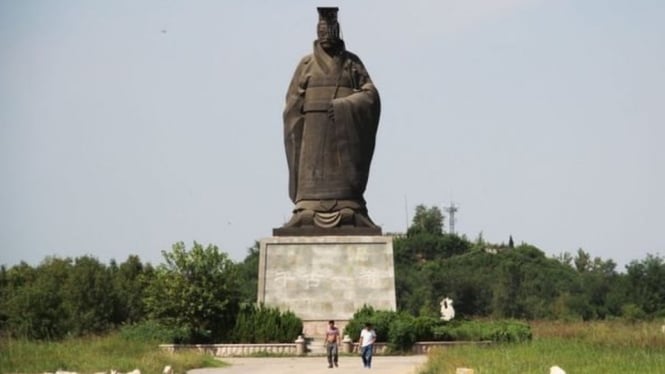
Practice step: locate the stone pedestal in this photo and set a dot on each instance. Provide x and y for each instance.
(322, 278)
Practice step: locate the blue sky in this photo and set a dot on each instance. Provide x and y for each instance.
(128, 126)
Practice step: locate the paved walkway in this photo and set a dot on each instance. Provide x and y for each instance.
(317, 365)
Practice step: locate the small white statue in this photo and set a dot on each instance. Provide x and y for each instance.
(447, 311)
(556, 370)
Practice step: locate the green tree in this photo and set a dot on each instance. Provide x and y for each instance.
(417, 261)
(87, 296)
(4, 294)
(248, 271)
(469, 280)
(528, 283)
(33, 302)
(197, 290)
(130, 280)
(598, 289)
(582, 261)
(60, 297)
(565, 258)
(426, 220)
(646, 284)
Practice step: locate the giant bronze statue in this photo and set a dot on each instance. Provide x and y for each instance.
(330, 122)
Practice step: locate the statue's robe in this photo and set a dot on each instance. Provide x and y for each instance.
(329, 159)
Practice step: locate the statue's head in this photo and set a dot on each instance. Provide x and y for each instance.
(327, 30)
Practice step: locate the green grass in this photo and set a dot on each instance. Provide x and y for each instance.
(95, 354)
(599, 347)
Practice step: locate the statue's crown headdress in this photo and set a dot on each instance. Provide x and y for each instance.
(328, 14)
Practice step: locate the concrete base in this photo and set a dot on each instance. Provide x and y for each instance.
(326, 277)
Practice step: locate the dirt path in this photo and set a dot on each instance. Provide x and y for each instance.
(317, 365)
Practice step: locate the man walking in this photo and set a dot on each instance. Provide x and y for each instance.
(366, 344)
(332, 344)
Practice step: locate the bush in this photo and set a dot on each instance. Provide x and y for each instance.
(261, 324)
(424, 327)
(405, 330)
(380, 319)
(402, 332)
(360, 317)
(632, 312)
(496, 331)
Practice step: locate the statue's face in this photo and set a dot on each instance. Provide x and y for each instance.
(327, 34)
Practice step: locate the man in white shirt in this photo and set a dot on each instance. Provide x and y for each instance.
(366, 344)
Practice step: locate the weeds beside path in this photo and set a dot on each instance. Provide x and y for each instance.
(94, 354)
(599, 347)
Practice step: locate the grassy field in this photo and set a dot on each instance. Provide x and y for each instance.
(94, 354)
(594, 347)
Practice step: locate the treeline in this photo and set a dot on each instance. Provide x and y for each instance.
(200, 295)
(518, 281)
(196, 295)
(61, 297)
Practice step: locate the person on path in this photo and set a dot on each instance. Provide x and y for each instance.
(366, 344)
(332, 344)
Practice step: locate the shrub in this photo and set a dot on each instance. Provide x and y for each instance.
(632, 312)
(380, 319)
(405, 330)
(497, 331)
(381, 322)
(423, 327)
(360, 317)
(261, 324)
(402, 332)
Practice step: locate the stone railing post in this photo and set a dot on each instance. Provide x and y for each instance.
(347, 344)
(300, 346)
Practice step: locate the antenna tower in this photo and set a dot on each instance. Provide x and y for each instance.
(451, 215)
